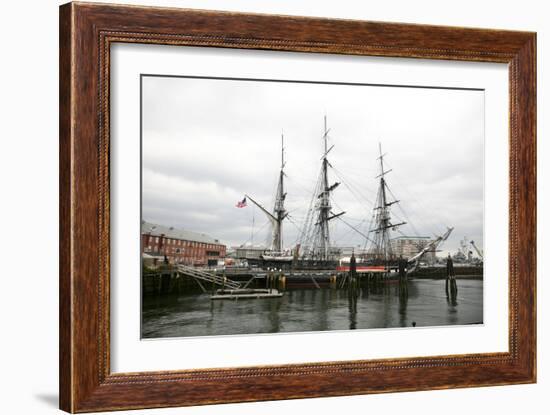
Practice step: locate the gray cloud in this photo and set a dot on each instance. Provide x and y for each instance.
(207, 142)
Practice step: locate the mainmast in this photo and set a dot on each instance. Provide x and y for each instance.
(381, 247)
(279, 213)
(321, 246)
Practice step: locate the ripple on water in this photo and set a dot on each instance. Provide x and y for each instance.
(314, 310)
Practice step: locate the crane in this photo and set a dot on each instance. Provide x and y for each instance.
(480, 253)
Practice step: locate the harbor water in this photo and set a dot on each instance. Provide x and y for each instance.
(315, 309)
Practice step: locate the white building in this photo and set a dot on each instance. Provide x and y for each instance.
(408, 246)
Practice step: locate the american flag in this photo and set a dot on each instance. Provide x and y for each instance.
(241, 204)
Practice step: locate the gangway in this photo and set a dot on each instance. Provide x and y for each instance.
(202, 275)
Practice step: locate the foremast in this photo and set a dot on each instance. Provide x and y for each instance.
(381, 246)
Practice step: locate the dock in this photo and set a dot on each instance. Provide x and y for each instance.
(246, 294)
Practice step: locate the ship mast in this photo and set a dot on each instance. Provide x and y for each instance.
(279, 208)
(321, 245)
(279, 212)
(381, 247)
(324, 206)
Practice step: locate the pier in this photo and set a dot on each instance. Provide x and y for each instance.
(181, 279)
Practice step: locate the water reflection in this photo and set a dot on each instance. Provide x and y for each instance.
(353, 294)
(403, 300)
(356, 306)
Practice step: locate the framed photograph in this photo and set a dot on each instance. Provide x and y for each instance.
(258, 207)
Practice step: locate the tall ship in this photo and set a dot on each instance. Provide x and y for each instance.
(315, 249)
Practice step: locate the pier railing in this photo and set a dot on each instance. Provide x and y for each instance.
(208, 276)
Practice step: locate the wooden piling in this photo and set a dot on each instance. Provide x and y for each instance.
(282, 283)
(451, 288)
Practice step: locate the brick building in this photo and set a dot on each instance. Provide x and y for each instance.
(179, 246)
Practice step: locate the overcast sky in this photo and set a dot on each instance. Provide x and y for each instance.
(208, 142)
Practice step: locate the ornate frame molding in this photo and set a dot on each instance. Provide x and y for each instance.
(86, 33)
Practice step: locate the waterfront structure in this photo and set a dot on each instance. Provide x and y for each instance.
(179, 246)
(358, 251)
(249, 252)
(409, 246)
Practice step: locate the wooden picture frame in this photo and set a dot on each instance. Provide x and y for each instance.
(86, 33)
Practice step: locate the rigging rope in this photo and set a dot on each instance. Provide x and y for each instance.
(352, 191)
(428, 225)
(255, 233)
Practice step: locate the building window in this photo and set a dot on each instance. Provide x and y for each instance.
(212, 253)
